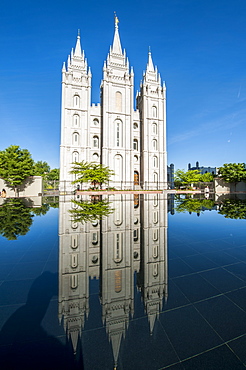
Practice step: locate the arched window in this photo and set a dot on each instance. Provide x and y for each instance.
(76, 120)
(155, 177)
(155, 162)
(75, 157)
(155, 269)
(135, 144)
(136, 200)
(118, 133)
(154, 144)
(136, 178)
(118, 248)
(155, 200)
(118, 212)
(135, 158)
(154, 111)
(135, 125)
(155, 251)
(74, 281)
(118, 167)
(135, 235)
(75, 138)
(154, 128)
(118, 101)
(118, 281)
(94, 237)
(155, 234)
(96, 122)
(155, 217)
(74, 260)
(74, 241)
(95, 141)
(95, 157)
(76, 100)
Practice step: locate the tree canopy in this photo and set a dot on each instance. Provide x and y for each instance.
(53, 175)
(41, 168)
(192, 176)
(233, 172)
(16, 165)
(96, 174)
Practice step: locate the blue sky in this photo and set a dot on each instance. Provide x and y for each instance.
(198, 46)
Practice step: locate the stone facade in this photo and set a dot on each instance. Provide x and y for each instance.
(130, 142)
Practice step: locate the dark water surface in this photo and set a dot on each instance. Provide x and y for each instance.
(145, 288)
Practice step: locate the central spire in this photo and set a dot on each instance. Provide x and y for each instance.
(78, 52)
(150, 66)
(116, 49)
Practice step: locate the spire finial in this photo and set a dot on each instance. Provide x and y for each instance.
(116, 20)
(78, 32)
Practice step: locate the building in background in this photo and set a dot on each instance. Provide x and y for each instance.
(202, 169)
(170, 176)
(130, 142)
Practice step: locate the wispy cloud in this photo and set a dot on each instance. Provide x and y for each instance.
(224, 122)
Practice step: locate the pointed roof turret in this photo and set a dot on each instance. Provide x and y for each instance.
(77, 52)
(116, 49)
(150, 65)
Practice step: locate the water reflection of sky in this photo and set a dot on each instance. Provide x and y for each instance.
(186, 311)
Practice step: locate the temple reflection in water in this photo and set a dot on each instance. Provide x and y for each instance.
(131, 241)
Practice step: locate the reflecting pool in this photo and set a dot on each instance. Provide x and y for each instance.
(123, 282)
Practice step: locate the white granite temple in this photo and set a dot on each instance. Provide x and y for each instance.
(130, 142)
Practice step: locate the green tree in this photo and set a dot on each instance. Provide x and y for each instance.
(207, 177)
(232, 172)
(15, 218)
(96, 174)
(186, 178)
(41, 168)
(53, 175)
(16, 165)
(90, 211)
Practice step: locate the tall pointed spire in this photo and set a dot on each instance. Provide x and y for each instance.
(150, 65)
(77, 52)
(116, 49)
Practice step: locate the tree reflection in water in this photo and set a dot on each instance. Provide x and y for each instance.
(233, 208)
(193, 205)
(92, 210)
(16, 218)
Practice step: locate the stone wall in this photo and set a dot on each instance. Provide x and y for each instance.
(220, 186)
(31, 187)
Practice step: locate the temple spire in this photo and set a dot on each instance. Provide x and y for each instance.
(77, 52)
(150, 66)
(116, 49)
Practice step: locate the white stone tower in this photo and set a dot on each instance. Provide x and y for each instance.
(151, 102)
(117, 111)
(130, 142)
